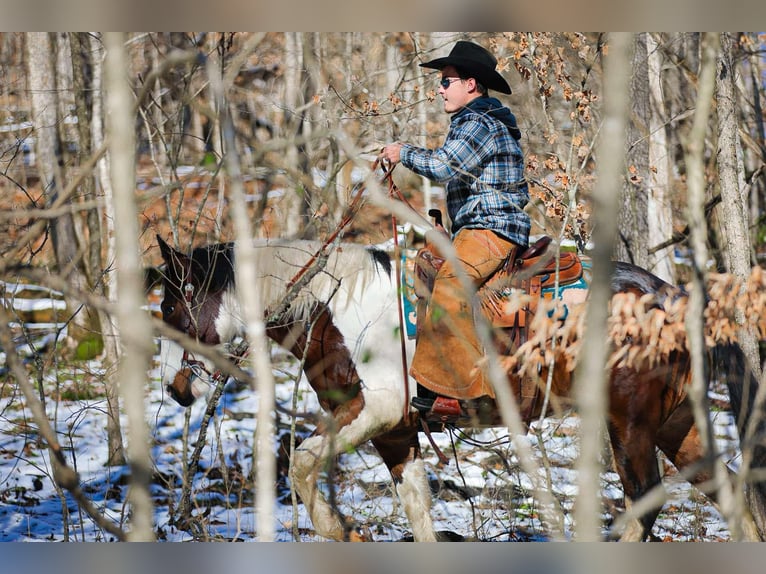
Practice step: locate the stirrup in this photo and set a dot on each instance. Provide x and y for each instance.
(439, 410)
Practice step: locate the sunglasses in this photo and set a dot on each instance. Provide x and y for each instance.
(447, 82)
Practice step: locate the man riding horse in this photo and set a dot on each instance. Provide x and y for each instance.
(482, 164)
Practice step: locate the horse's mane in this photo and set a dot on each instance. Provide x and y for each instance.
(628, 277)
(279, 262)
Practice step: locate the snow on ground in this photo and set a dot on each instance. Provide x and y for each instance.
(475, 497)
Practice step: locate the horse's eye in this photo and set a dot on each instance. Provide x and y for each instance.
(168, 309)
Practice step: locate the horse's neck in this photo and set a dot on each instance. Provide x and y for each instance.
(343, 275)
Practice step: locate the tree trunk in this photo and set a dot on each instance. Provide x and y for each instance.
(734, 191)
(756, 160)
(102, 229)
(245, 270)
(422, 124)
(731, 169)
(83, 102)
(730, 503)
(660, 210)
(133, 321)
(633, 216)
(591, 384)
(735, 223)
(42, 85)
(295, 126)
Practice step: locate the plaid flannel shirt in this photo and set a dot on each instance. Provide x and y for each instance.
(483, 167)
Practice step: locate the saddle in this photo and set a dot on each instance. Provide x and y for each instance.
(532, 272)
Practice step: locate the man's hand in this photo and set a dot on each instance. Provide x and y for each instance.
(391, 153)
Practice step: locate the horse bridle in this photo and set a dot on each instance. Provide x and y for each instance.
(187, 359)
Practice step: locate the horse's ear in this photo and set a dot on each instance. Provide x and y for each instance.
(165, 249)
(175, 261)
(172, 257)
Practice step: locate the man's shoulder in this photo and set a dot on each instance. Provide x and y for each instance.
(472, 119)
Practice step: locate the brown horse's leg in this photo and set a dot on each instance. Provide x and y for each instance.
(679, 439)
(400, 450)
(636, 463)
(634, 416)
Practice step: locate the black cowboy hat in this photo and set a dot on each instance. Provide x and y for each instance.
(474, 61)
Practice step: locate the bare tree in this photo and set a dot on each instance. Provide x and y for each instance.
(633, 216)
(44, 103)
(734, 194)
(422, 124)
(300, 89)
(135, 329)
(695, 146)
(591, 388)
(731, 172)
(754, 134)
(256, 329)
(660, 214)
(87, 68)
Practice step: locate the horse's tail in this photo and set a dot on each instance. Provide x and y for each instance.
(731, 366)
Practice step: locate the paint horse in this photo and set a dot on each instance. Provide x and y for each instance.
(344, 327)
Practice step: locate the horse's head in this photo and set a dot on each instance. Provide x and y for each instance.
(193, 288)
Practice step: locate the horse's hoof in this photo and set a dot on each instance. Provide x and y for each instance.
(359, 534)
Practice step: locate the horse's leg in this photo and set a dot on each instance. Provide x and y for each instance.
(634, 416)
(313, 453)
(680, 440)
(332, 374)
(309, 460)
(636, 464)
(306, 465)
(400, 450)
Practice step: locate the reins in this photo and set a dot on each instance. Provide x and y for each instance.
(186, 362)
(393, 190)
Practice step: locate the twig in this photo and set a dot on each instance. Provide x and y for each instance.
(680, 236)
(184, 506)
(293, 493)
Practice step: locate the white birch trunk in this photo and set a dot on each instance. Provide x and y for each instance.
(660, 210)
(245, 273)
(294, 51)
(591, 383)
(133, 321)
(110, 335)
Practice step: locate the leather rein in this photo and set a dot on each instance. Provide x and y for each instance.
(198, 367)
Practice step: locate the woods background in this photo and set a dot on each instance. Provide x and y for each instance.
(310, 111)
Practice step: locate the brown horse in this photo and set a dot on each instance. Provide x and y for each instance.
(344, 325)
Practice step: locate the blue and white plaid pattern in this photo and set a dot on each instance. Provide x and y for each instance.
(483, 166)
